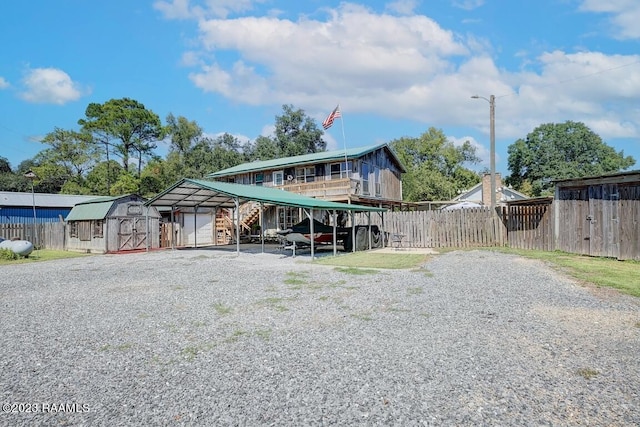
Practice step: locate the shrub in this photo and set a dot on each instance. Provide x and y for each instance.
(8, 254)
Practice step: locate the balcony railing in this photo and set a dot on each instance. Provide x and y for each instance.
(324, 188)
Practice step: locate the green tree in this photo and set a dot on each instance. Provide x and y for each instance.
(102, 176)
(183, 133)
(264, 148)
(125, 126)
(9, 180)
(435, 166)
(71, 156)
(209, 156)
(126, 183)
(296, 133)
(561, 151)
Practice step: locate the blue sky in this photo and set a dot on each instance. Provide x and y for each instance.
(396, 68)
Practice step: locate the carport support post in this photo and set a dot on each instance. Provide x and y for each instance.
(335, 219)
(195, 226)
(382, 232)
(173, 232)
(215, 226)
(262, 225)
(311, 230)
(237, 203)
(369, 228)
(353, 231)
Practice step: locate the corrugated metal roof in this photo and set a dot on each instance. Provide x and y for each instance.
(89, 211)
(96, 207)
(323, 156)
(14, 198)
(211, 194)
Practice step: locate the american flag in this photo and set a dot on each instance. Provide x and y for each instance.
(328, 122)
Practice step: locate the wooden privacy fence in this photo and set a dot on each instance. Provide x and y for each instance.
(460, 228)
(50, 235)
(529, 226)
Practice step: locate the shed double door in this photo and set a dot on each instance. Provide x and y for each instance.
(132, 233)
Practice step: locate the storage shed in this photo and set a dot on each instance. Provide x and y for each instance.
(113, 224)
(599, 215)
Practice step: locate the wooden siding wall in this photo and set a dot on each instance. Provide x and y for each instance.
(600, 220)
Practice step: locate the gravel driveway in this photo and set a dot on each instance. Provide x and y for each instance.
(204, 337)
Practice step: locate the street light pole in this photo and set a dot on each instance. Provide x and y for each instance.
(31, 176)
(492, 139)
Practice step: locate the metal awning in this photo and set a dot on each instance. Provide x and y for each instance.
(214, 194)
(196, 193)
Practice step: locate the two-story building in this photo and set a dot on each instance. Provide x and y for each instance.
(366, 175)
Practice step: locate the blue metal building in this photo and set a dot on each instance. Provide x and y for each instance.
(17, 208)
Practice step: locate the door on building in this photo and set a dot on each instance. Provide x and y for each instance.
(132, 233)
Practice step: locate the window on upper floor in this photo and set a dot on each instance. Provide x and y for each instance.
(340, 170)
(306, 174)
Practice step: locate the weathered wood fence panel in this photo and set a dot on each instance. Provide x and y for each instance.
(442, 229)
(49, 235)
(530, 226)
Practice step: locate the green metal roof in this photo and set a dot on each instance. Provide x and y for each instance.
(212, 194)
(323, 156)
(83, 212)
(93, 209)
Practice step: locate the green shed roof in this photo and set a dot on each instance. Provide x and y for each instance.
(323, 156)
(89, 211)
(93, 209)
(211, 194)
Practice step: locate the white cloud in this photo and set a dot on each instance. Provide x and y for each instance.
(356, 53)
(174, 9)
(3, 83)
(194, 9)
(402, 7)
(409, 67)
(468, 4)
(49, 86)
(625, 15)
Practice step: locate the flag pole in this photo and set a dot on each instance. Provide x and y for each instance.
(344, 143)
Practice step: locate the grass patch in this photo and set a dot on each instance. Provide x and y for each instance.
(607, 272)
(44, 255)
(415, 291)
(274, 303)
(356, 270)
(190, 353)
(265, 334)
(362, 316)
(296, 278)
(222, 309)
(235, 336)
(375, 260)
(587, 373)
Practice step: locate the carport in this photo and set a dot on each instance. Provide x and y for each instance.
(194, 193)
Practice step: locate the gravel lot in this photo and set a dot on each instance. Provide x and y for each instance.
(205, 337)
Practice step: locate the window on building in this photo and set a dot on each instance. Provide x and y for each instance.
(287, 217)
(278, 178)
(259, 178)
(98, 228)
(377, 184)
(365, 178)
(73, 229)
(340, 170)
(307, 174)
